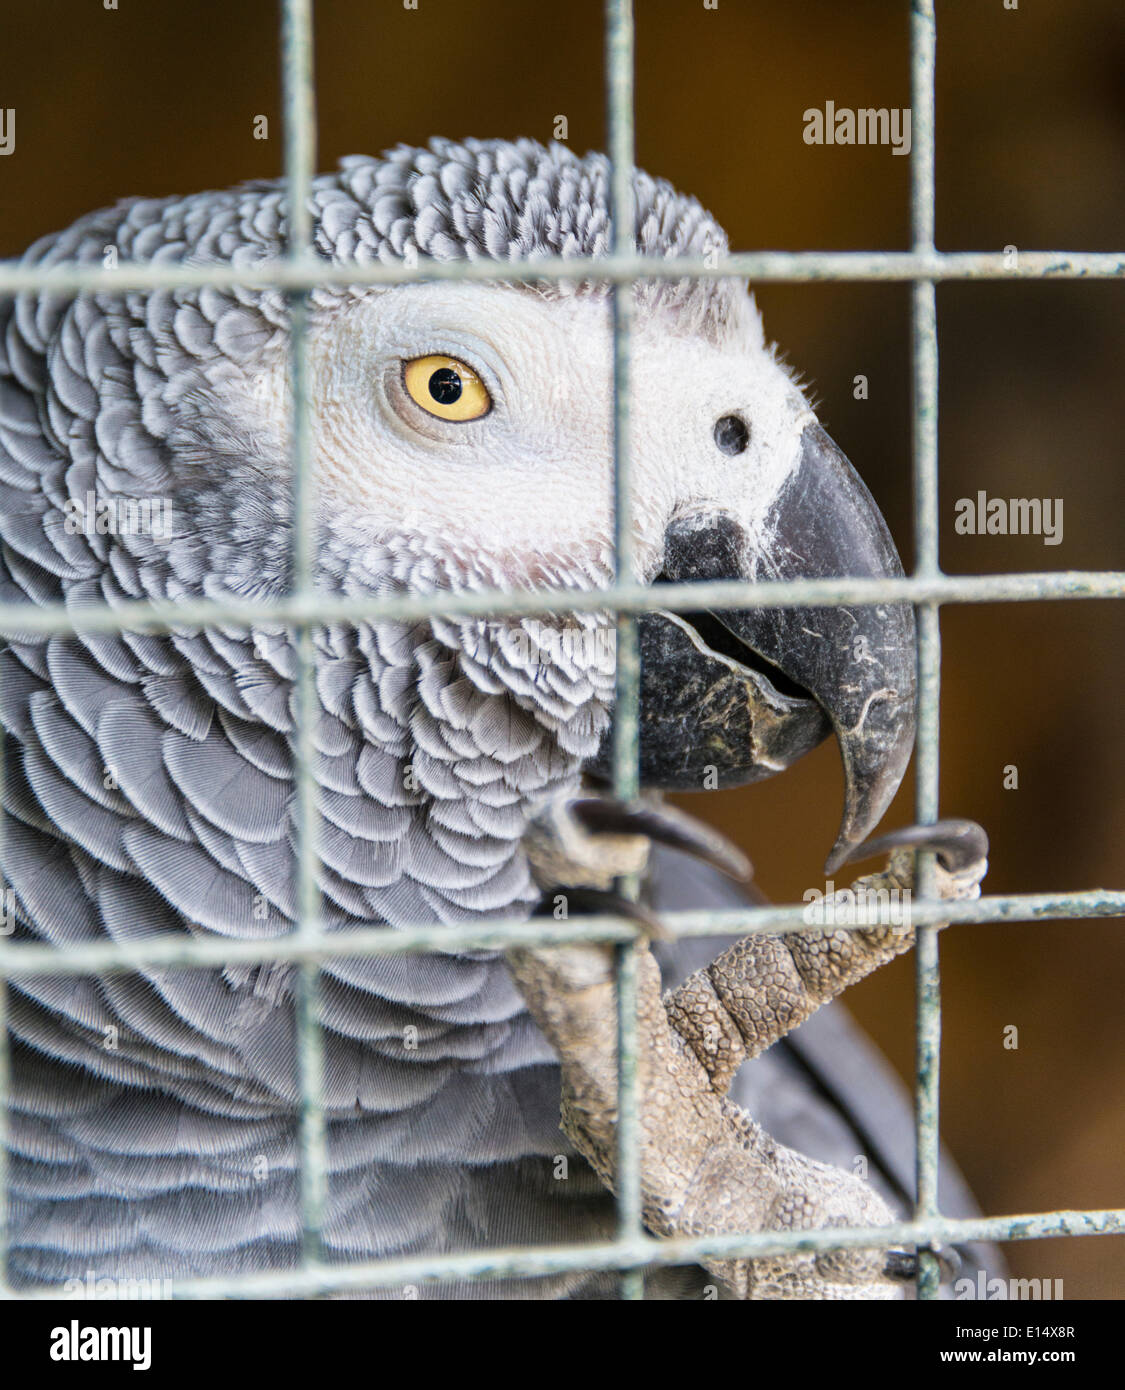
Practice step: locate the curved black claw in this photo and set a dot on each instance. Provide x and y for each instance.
(957, 843)
(596, 902)
(903, 1264)
(664, 825)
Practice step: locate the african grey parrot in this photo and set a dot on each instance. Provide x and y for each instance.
(463, 440)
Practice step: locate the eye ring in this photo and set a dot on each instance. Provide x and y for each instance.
(732, 434)
(446, 387)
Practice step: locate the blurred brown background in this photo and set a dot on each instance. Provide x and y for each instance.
(161, 98)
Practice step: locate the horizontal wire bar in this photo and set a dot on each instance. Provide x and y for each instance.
(304, 610)
(789, 267)
(18, 959)
(530, 1262)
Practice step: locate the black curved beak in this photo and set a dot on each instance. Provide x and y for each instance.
(857, 663)
(765, 685)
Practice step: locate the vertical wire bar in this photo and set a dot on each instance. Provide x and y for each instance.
(923, 35)
(7, 925)
(5, 1092)
(619, 105)
(300, 155)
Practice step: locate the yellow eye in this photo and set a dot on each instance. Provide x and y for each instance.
(446, 387)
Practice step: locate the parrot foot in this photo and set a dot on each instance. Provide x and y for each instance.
(706, 1166)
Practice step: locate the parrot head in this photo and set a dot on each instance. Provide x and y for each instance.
(463, 439)
(478, 426)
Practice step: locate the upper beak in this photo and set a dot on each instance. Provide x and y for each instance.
(857, 664)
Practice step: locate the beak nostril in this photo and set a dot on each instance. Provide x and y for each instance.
(731, 434)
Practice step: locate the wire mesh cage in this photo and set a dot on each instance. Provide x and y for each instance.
(633, 1251)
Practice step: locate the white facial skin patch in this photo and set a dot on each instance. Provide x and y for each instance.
(532, 478)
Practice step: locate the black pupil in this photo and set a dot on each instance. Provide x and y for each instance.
(731, 434)
(445, 386)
